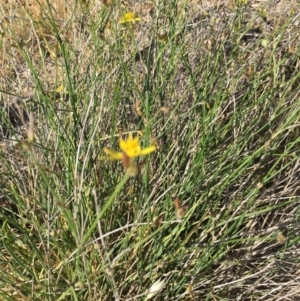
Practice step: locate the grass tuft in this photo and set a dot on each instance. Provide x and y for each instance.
(212, 214)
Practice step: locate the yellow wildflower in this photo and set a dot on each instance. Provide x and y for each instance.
(130, 147)
(129, 17)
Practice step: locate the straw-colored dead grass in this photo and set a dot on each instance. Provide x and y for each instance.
(19, 17)
(28, 26)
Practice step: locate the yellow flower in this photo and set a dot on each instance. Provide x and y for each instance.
(131, 147)
(129, 17)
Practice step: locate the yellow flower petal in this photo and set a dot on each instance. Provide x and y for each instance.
(131, 153)
(122, 144)
(112, 154)
(129, 17)
(147, 150)
(130, 146)
(130, 142)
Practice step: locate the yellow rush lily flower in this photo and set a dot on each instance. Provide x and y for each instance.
(129, 17)
(131, 147)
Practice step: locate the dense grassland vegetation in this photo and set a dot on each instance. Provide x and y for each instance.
(149, 150)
